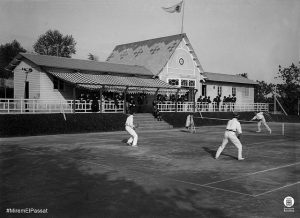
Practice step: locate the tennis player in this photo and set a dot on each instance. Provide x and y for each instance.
(130, 128)
(232, 133)
(261, 120)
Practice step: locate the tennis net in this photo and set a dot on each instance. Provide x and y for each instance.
(278, 128)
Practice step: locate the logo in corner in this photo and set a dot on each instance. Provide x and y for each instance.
(288, 203)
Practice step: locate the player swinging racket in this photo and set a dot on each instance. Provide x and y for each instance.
(232, 133)
(130, 128)
(261, 120)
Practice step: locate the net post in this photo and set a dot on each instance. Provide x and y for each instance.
(282, 129)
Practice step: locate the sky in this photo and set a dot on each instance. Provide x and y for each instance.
(229, 36)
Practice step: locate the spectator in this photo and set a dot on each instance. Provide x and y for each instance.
(208, 101)
(199, 101)
(95, 104)
(215, 102)
(140, 102)
(131, 105)
(224, 102)
(233, 101)
(116, 101)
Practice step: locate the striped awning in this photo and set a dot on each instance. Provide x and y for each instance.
(117, 83)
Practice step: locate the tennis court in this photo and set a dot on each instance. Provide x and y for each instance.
(171, 174)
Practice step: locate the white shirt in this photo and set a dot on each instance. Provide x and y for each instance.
(259, 116)
(234, 125)
(129, 121)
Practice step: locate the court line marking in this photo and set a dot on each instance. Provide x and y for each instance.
(150, 175)
(275, 189)
(207, 186)
(250, 174)
(186, 182)
(177, 180)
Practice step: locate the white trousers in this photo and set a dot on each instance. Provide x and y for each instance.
(134, 137)
(263, 121)
(229, 135)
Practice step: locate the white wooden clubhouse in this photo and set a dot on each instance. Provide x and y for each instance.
(163, 66)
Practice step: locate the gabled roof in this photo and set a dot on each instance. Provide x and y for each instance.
(219, 77)
(153, 54)
(81, 65)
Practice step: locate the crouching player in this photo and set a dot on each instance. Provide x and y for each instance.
(261, 120)
(232, 133)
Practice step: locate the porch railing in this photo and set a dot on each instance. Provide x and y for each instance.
(66, 106)
(212, 107)
(56, 106)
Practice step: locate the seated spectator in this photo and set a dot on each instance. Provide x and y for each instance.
(95, 104)
(116, 101)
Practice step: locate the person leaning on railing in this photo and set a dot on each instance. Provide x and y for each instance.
(199, 101)
(233, 100)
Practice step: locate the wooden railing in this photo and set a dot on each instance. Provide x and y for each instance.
(66, 106)
(212, 107)
(55, 106)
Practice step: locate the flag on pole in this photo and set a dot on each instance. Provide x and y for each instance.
(174, 8)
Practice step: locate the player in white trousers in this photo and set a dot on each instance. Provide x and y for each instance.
(261, 120)
(130, 128)
(232, 133)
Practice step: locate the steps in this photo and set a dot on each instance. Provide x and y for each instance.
(146, 121)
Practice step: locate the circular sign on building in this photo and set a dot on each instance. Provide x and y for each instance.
(181, 61)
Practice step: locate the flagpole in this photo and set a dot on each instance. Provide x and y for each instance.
(182, 16)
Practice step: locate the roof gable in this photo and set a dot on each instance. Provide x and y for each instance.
(153, 54)
(81, 65)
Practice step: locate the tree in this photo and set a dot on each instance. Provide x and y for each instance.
(261, 92)
(7, 53)
(243, 75)
(289, 90)
(55, 44)
(92, 57)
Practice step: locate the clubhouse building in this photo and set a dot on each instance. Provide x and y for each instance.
(166, 66)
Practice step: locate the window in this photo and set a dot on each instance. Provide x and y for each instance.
(187, 83)
(203, 90)
(184, 82)
(246, 91)
(174, 82)
(220, 90)
(192, 83)
(233, 91)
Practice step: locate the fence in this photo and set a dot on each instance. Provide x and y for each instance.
(66, 106)
(212, 107)
(55, 106)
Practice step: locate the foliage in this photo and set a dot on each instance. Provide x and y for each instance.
(289, 90)
(92, 57)
(55, 44)
(243, 75)
(261, 92)
(7, 53)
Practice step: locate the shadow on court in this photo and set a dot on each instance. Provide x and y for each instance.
(213, 153)
(171, 174)
(50, 180)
